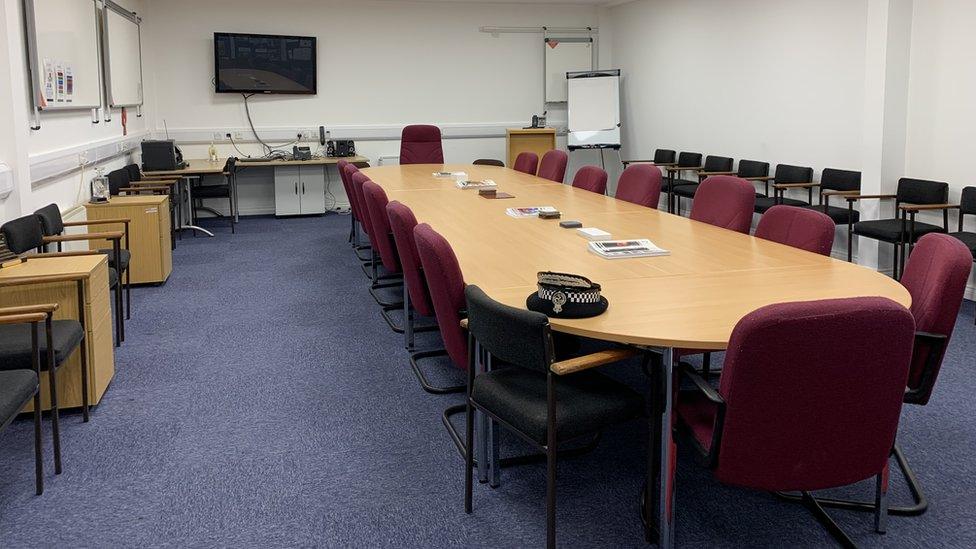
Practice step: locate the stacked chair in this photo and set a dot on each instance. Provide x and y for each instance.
(967, 206)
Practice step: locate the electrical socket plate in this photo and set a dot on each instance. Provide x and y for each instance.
(219, 136)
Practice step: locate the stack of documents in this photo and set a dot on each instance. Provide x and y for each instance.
(619, 249)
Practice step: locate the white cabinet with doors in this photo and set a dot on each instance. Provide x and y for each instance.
(299, 190)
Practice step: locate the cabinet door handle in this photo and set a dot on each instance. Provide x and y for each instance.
(303, 187)
(296, 187)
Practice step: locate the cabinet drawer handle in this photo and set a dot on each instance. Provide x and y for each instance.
(303, 187)
(296, 187)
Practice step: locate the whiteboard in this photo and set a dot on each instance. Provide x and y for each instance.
(63, 47)
(121, 39)
(594, 109)
(565, 55)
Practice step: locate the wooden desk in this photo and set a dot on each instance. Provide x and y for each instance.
(535, 140)
(98, 320)
(690, 299)
(198, 167)
(149, 232)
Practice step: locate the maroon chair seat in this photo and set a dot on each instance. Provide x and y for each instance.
(417, 296)
(725, 201)
(553, 166)
(591, 178)
(802, 405)
(640, 184)
(421, 144)
(526, 162)
(801, 228)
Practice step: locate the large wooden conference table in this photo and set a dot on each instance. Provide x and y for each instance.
(691, 299)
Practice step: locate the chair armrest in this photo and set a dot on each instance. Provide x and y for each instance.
(39, 308)
(578, 364)
(937, 343)
(107, 235)
(677, 168)
(22, 280)
(702, 386)
(853, 197)
(706, 174)
(625, 162)
(839, 193)
(760, 178)
(96, 222)
(795, 185)
(22, 318)
(922, 207)
(153, 182)
(145, 188)
(64, 254)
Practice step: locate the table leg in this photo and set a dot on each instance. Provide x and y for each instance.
(189, 213)
(666, 466)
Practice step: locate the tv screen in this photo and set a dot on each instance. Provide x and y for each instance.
(263, 63)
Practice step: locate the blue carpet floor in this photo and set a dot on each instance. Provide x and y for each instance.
(260, 400)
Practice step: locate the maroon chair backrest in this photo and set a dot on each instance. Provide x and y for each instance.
(725, 201)
(591, 178)
(936, 275)
(376, 202)
(553, 165)
(421, 144)
(802, 228)
(358, 179)
(526, 162)
(813, 393)
(640, 184)
(446, 284)
(402, 222)
(357, 210)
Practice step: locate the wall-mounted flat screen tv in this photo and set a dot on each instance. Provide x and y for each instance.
(264, 63)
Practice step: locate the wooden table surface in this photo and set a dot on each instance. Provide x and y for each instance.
(692, 298)
(205, 167)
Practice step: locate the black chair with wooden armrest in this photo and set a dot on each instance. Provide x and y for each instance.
(662, 158)
(784, 178)
(687, 161)
(119, 184)
(20, 386)
(686, 188)
(21, 345)
(119, 255)
(25, 235)
(227, 190)
(911, 197)
(967, 206)
(545, 402)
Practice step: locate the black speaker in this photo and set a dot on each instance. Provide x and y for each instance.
(340, 148)
(161, 155)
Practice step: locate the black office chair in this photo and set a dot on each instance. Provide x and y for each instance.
(911, 197)
(662, 158)
(686, 188)
(26, 234)
(18, 387)
(834, 182)
(785, 177)
(687, 161)
(544, 402)
(489, 162)
(222, 190)
(967, 206)
(53, 225)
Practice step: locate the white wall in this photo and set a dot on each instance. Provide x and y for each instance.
(756, 79)
(941, 110)
(381, 65)
(60, 132)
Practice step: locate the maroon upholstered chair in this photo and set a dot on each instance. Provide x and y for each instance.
(591, 178)
(421, 144)
(808, 230)
(640, 184)
(416, 296)
(553, 166)
(393, 279)
(801, 404)
(355, 210)
(446, 285)
(935, 275)
(526, 162)
(725, 201)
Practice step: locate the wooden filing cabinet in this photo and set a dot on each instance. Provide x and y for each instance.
(535, 140)
(149, 231)
(93, 269)
(299, 190)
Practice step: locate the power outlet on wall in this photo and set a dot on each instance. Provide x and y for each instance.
(218, 136)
